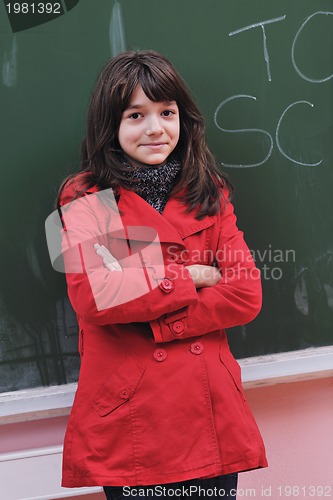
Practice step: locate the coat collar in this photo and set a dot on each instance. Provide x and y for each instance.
(172, 226)
(185, 222)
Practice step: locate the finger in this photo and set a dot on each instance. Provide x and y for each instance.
(111, 266)
(99, 250)
(103, 252)
(114, 264)
(109, 258)
(100, 253)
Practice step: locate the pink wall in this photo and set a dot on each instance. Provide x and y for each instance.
(34, 434)
(295, 420)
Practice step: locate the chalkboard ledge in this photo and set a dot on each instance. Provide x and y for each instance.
(47, 402)
(292, 366)
(41, 463)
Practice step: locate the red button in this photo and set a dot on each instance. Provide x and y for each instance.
(196, 348)
(125, 393)
(166, 285)
(160, 354)
(178, 327)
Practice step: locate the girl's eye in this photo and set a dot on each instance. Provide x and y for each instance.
(168, 112)
(135, 116)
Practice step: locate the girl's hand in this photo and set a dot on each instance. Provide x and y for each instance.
(109, 261)
(204, 275)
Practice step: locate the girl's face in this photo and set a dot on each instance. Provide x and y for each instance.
(149, 131)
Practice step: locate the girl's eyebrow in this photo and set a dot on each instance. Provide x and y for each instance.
(169, 103)
(133, 106)
(139, 106)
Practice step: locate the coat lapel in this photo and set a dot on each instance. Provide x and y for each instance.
(185, 222)
(172, 226)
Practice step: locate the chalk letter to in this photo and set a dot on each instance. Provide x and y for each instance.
(302, 75)
(262, 25)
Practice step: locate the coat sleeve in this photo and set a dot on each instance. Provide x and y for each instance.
(138, 293)
(234, 300)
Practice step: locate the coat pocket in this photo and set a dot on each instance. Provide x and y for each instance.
(233, 368)
(119, 388)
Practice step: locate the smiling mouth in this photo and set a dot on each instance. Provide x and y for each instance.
(154, 145)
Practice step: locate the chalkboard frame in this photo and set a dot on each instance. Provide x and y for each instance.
(239, 30)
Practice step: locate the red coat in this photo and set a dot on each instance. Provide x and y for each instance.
(159, 396)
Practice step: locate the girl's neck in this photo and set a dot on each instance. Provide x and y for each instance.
(154, 183)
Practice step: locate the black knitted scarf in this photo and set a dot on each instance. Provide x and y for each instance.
(154, 183)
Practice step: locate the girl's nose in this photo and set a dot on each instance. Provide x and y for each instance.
(154, 126)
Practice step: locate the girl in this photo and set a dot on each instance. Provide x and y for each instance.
(156, 270)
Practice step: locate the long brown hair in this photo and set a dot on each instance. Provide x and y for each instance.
(200, 179)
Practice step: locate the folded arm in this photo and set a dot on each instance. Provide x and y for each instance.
(141, 290)
(234, 300)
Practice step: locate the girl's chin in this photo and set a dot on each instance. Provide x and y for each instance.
(138, 164)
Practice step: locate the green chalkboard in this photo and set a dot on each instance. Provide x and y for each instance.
(262, 74)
